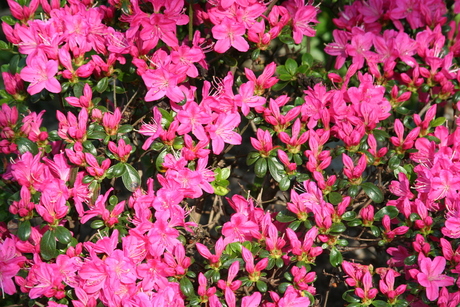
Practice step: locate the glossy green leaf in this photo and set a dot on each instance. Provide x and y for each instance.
(285, 183)
(9, 20)
(48, 245)
(373, 191)
(335, 257)
(252, 157)
(335, 198)
(349, 216)
(186, 287)
(102, 85)
(261, 286)
(97, 224)
(338, 228)
(26, 145)
(380, 303)
(350, 297)
(275, 168)
(24, 230)
(125, 129)
(295, 225)
(116, 170)
(355, 223)
(391, 211)
(291, 66)
(63, 234)
(131, 178)
(285, 216)
(260, 167)
(279, 86)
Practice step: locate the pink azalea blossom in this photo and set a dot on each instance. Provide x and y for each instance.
(430, 275)
(221, 131)
(229, 34)
(41, 73)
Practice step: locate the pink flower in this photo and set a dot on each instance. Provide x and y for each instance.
(111, 121)
(265, 80)
(9, 265)
(222, 131)
(301, 23)
(41, 75)
(430, 275)
(229, 34)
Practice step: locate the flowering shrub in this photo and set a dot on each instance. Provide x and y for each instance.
(202, 156)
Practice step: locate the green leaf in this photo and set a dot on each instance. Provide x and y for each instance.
(220, 190)
(286, 38)
(433, 139)
(116, 170)
(252, 157)
(342, 242)
(379, 303)
(391, 211)
(24, 230)
(9, 20)
(102, 84)
(291, 66)
(283, 286)
(186, 287)
(261, 286)
(335, 198)
(14, 64)
(349, 216)
(285, 216)
(335, 257)
(350, 297)
(97, 224)
(380, 135)
(275, 168)
(131, 178)
(402, 110)
(307, 59)
(373, 191)
(437, 122)
(230, 61)
(96, 135)
(225, 172)
(48, 245)
(160, 159)
(285, 77)
(394, 162)
(63, 234)
(89, 146)
(255, 54)
(337, 228)
(113, 200)
(125, 129)
(295, 224)
(302, 69)
(279, 86)
(78, 89)
(355, 223)
(3, 45)
(375, 231)
(281, 70)
(411, 260)
(285, 183)
(353, 191)
(401, 303)
(260, 167)
(26, 145)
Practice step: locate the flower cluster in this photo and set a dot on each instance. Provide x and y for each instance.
(163, 108)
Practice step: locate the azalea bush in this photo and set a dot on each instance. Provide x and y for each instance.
(230, 153)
